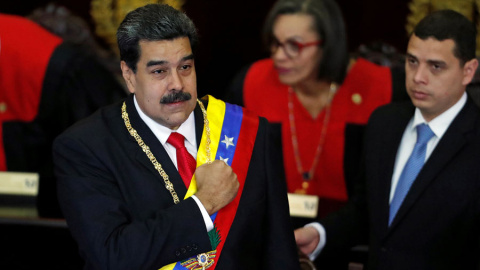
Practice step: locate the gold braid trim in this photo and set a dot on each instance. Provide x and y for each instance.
(151, 157)
(146, 149)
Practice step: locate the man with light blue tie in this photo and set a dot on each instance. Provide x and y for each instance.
(419, 195)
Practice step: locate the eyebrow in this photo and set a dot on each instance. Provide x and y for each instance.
(163, 62)
(430, 62)
(437, 62)
(409, 55)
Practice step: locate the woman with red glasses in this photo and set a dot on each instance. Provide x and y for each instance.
(321, 97)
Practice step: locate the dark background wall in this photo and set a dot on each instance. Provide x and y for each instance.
(230, 30)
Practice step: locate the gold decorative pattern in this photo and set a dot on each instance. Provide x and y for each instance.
(420, 8)
(108, 14)
(153, 159)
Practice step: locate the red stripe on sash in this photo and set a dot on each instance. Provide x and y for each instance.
(240, 163)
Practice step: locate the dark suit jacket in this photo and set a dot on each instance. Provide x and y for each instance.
(438, 224)
(123, 217)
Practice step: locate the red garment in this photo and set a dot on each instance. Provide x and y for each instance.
(266, 95)
(186, 163)
(25, 50)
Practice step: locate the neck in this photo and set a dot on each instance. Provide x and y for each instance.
(315, 96)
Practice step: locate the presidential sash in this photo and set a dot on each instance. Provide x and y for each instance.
(231, 129)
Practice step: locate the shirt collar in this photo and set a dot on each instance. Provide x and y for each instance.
(187, 128)
(440, 123)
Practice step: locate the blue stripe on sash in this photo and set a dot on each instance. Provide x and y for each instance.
(229, 134)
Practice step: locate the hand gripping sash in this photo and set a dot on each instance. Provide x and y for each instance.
(231, 128)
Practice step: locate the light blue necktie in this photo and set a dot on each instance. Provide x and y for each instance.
(412, 168)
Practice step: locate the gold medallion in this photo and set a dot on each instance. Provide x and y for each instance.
(202, 260)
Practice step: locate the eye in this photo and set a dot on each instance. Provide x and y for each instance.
(437, 67)
(274, 45)
(411, 61)
(158, 71)
(292, 46)
(185, 67)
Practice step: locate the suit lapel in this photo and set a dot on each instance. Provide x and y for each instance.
(156, 148)
(391, 136)
(454, 139)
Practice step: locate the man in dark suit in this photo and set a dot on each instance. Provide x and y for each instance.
(420, 204)
(125, 181)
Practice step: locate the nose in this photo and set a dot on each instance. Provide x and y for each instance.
(176, 82)
(421, 75)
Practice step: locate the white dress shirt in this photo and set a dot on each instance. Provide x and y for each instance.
(438, 125)
(187, 129)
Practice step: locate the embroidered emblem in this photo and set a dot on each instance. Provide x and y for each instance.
(202, 261)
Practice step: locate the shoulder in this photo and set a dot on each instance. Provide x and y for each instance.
(371, 80)
(261, 64)
(388, 114)
(94, 125)
(262, 84)
(369, 72)
(261, 70)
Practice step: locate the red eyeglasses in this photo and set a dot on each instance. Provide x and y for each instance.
(292, 48)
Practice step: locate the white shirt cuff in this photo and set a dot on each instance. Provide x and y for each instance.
(206, 218)
(323, 239)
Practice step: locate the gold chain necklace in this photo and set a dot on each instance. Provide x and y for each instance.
(151, 157)
(308, 175)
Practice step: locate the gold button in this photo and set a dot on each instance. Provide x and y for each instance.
(3, 107)
(305, 185)
(357, 98)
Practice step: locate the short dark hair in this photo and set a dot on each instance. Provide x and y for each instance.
(449, 24)
(330, 26)
(152, 22)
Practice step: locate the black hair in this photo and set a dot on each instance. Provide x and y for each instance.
(330, 26)
(449, 24)
(152, 22)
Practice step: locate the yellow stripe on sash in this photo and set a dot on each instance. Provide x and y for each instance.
(168, 267)
(216, 114)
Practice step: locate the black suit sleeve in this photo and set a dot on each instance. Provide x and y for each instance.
(348, 226)
(280, 237)
(108, 223)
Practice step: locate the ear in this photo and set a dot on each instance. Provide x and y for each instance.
(469, 70)
(128, 76)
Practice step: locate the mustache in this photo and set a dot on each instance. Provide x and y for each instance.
(175, 96)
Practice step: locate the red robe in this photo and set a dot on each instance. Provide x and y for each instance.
(25, 51)
(366, 87)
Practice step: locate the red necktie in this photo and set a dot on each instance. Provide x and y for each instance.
(185, 162)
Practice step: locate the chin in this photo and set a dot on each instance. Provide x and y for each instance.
(286, 80)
